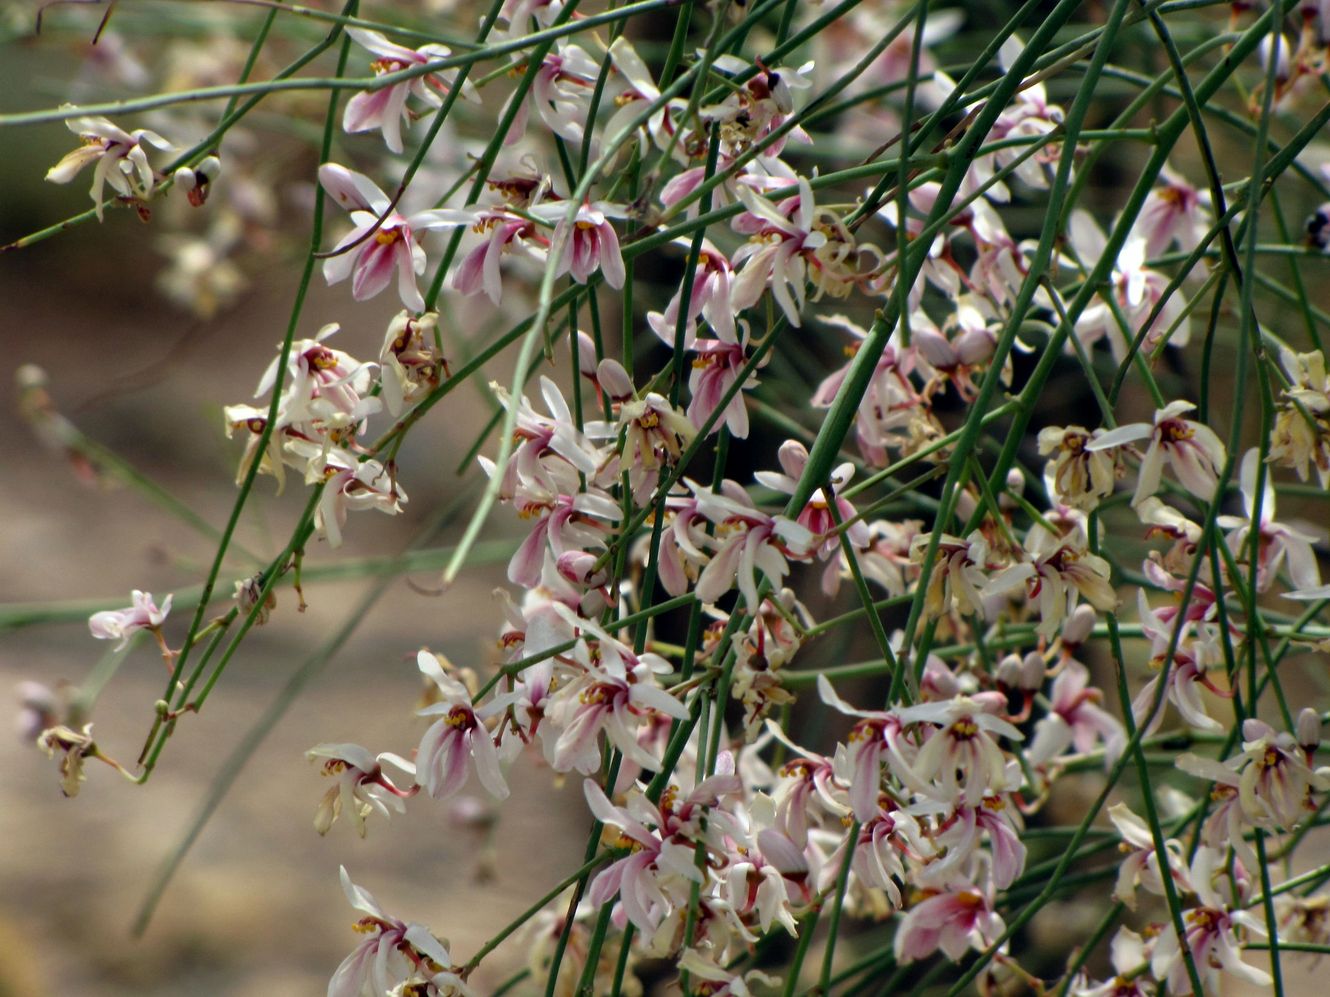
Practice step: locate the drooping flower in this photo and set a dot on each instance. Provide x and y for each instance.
(1300, 438)
(73, 746)
(1190, 448)
(386, 107)
(362, 787)
(121, 158)
(1210, 933)
(1075, 720)
(782, 238)
(953, 920)
(122, 624)
(1278, 545)
(395, 957)
(371, 259)
(589, 243)
(1075, 475)
(459, 740)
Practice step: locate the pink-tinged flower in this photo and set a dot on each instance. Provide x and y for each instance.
(1195, 652)
(1137, 290)
(1210, 934)
(655, 878)
(939, 267)
(875, 738)
(362, 787)
(747, 541)
(816, 516)
(1002, 263)
(1131, 960)
(717, 365)
(804, 786)
(954, 353)
(325, 392)
(1278, 543)
(633, 86)
(1175, 212)
(1272, 776)
(763, 885)
(962, 755)
(538, 437)
(409, 366)
(506, 232)
(960, 833)
(394, 954)
(954, 920)
(589, 243)
(654, 433)
(682, 551)
(122, 160)
(750, 113)
(886, 559)
(616, 692)
(566, 516)
(561, 93)
(1190, 448)
(1059, 572)
(782, 239)
(883, 842)
(890, 406)
(709, 299)
(459, 739)
(349, 484)
(385, 108)
(1029, 116)
(370, 260)
(1075, 720)
(1141, 865)
(122, 624)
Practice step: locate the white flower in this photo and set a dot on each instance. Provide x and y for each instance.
(122, 624)
(1190, 448)
(122, 161)
(393, 246)
(361, 789)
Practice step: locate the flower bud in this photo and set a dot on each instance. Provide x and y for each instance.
(939, 682)
(579, 567)
(1268, 51)
(1009, 672)
(1080, 624)
(966, 505)
(1256, 730)
(1309, 730)
(586, 355)
(976, 346)
(1033, 672)
(195, 181)
(793, 457)
(614, 380)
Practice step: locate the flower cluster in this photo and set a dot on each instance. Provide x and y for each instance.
(697, 550)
